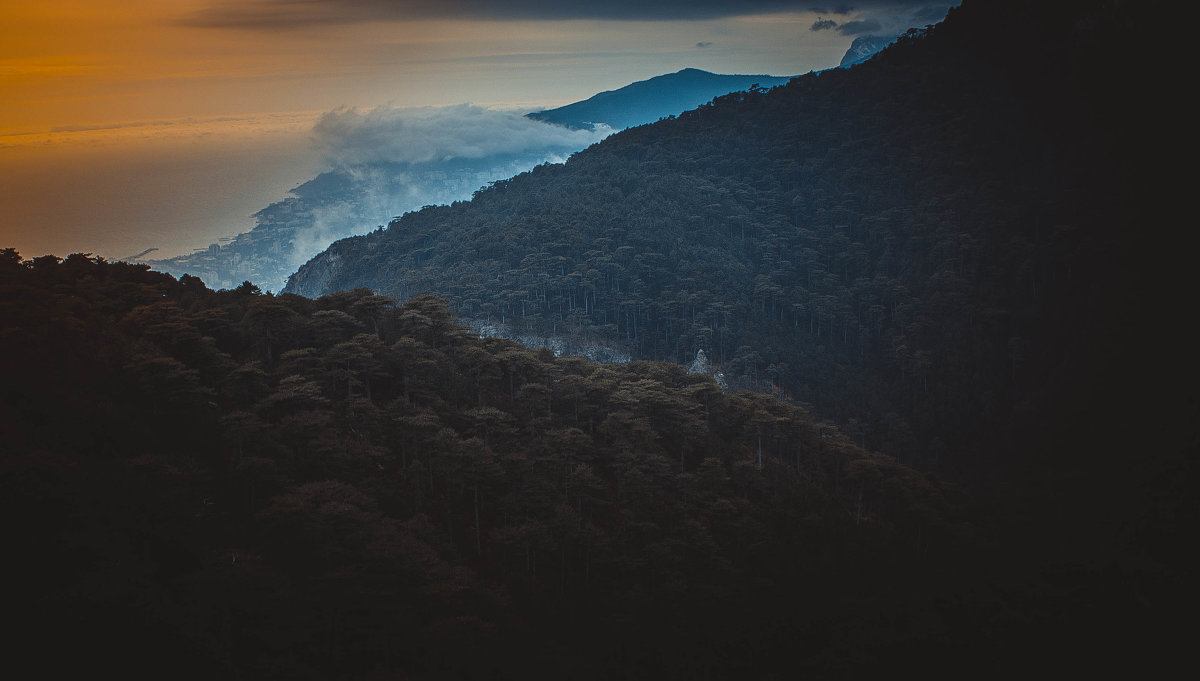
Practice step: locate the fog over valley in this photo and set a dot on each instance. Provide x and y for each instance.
(377, 164)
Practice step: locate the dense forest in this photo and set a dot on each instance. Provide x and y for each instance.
(206, 483)
(921, 247)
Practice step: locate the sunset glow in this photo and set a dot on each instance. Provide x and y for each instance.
(71, 63)
(93, 90)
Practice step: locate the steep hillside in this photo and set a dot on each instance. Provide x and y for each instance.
(206, 484)
(964, 251)
(913, 246)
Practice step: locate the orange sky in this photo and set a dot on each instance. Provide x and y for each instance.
(89, 62)
(105, 107)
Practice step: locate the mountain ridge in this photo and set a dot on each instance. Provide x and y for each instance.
(284, 463)
(646, 101)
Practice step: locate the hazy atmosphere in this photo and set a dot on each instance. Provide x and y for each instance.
(143, 124)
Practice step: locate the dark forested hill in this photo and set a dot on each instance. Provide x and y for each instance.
(200, 484)
(648, 100)
(959, 251)
(910, 246)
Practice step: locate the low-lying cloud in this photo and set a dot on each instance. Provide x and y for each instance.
(351, 137)
(380, 163)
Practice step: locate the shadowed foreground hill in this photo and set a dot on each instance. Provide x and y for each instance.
(200, 484)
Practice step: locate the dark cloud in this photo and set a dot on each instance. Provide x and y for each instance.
(869, 6)
(930, 14)
(860, 26)
(882, 17)
(282, 14)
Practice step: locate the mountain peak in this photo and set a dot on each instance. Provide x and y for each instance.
(646, 101)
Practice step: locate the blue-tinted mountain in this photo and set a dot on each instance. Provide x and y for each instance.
(230, 477)
(963, 251)
(648, 100)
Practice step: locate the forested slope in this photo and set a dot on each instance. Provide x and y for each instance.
(967, 252)
(200, 484)
(914, 246)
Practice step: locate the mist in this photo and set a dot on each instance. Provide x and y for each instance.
(378, 164)
(350, 137)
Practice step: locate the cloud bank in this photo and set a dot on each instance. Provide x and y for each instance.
(399, 159)
(380, 163)
(349, 137)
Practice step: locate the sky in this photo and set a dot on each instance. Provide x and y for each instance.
(133, 124)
